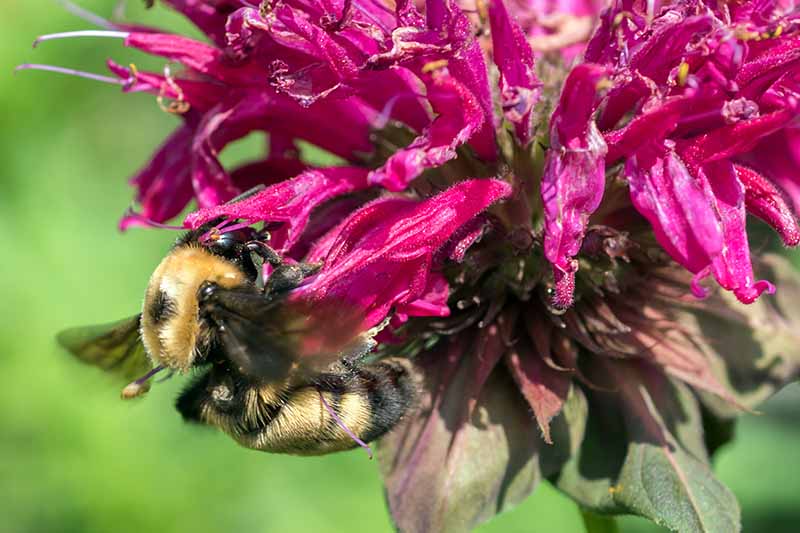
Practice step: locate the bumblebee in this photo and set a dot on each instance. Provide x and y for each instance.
(273, 378)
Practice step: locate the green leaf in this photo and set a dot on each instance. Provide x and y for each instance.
(591, 470)
(754, 350)
(471, 451)
(666, 476)
(644, 454)
(596, 523)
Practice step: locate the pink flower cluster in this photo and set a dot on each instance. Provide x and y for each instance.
(692, 105)
(701, 110)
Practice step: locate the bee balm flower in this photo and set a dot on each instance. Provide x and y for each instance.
(535, 234)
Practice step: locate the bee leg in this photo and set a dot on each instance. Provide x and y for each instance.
(246, 194)
(287, 277)
(265, 252)
(190, 403)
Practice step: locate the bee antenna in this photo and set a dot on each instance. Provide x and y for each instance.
(150, 374)
(225, 226)
(342, 425)
(132, 218)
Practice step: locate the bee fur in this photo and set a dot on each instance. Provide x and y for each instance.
(205, 311)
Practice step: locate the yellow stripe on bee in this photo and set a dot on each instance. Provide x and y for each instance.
(356, 413)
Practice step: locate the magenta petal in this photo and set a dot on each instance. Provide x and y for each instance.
(459, 117)
(209, 17)
(652, 126)
(196, 55)
(433, 301)
(267, 172)
(765, 201)
(384, 253)
(241, 113)
(200, 95)
(619, 29)
(676, 206)
(468, 66)
(289, 201)
(732, 268)
(397, 94)
(761, 71)
(163, 186)
(574, 176)
(323, 46)
(667, 44)
(519, 86)
(229, 120)
(778, 157)
(732, 140)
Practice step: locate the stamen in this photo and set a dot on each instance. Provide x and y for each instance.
(431, 66)
(344, 428)
(179, 106)
(683, 73)
(71, 72)
(86, 15)
(81, 33)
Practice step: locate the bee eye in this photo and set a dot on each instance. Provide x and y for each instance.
(226, 241)
(230, 242)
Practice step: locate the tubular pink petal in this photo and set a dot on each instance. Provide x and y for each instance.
(467, 66)
(676, 206)
(519, 86)
(574, 176)
(778, 157)
(290, 201)
(459, 117)
(281, 202)
(209, 17)
(733, 140)
(732, 268)
(383, 254)
(765, 201)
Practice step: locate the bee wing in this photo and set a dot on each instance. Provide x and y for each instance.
(245, 324)
(265, 338)
(115, 348)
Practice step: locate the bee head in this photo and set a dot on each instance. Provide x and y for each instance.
(172, 332)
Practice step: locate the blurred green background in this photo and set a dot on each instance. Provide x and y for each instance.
(73, 457)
